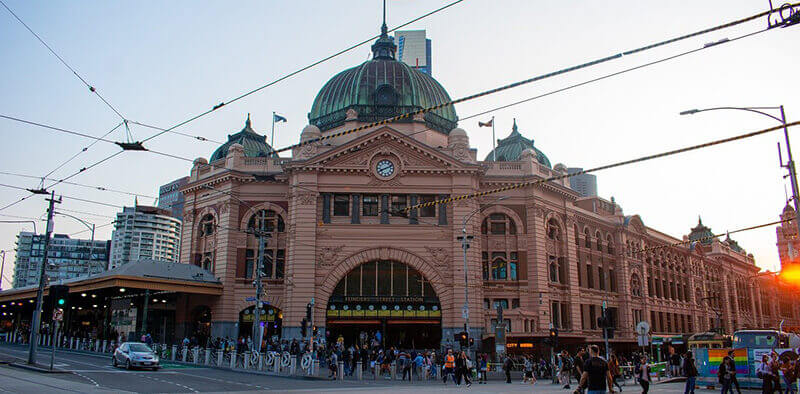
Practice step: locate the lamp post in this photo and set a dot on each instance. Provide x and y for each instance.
(465, 239)
(789, 165)
(88, 225)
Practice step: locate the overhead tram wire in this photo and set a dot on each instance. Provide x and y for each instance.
(101, 188)
(710, 237)
(521, 185)
(69, 197)
(64, 62)
(524, 82)
(298, 71)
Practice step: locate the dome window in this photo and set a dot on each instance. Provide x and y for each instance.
(385, 96)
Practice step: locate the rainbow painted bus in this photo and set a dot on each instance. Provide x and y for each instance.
(748, 346)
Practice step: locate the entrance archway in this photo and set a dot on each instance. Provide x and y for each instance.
(271, 317)
(386, 300)
(201, 324)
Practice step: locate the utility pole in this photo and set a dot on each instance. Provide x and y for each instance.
(37, 313)
(465, 239)
(258, 331)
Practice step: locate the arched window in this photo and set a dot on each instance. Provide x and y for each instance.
(207, 225)
(587, 239)
(636, 285)
(577, 239)
(499, 266)
(609, 244)
(599, 238)
(274, 259)
(555, 255)
(498, 224)
(266, 220)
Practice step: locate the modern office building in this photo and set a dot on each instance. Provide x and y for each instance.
(67, 258)
(144, 233)
(414, 49)
(584, 184)
(170, 197)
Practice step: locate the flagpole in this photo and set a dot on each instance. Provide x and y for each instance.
(272, 136)
(494, 149)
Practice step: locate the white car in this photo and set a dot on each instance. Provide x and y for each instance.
(133, 355)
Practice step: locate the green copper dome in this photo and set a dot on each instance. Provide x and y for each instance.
(511, 147)
(255, 145)
(701, 233)
(381, 88)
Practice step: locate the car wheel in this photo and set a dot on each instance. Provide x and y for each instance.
(128, 364)
(114, 361)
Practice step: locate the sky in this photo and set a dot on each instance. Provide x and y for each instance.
(163, 62)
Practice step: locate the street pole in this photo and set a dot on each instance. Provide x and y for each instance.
(37, 313)
(258, 332)
(605, 327)
(2, 267)
(55, 338)
(790, 167)
(272, 135)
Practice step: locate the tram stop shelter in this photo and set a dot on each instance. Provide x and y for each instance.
(167, 300)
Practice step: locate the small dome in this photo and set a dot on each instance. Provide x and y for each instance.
(199, 161)
(511, 148)
(254, 144)
(701, 233)
(310, 132)
(379, 89)
(457, 132)
(560, 168)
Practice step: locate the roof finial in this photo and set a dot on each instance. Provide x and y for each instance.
(247, 123)
(514, 128)
(384, 28)
(699, 221)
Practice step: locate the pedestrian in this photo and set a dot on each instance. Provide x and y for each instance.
(764, 372)
(528, 367)
(564, 368)
(333, 366)
(675, 363)
(789, 377)
(449, 366)
(725, 375)
(462, 369)
(595, 375)
(690, 370)
(734, 381)
(507, 366)
(483, 368)
(616, 375)
(643, 374)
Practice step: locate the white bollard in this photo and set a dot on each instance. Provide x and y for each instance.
(261, 362)
(376, 371)
(246, 360)
(184, 353)
(97, 345)
(393, 370)
(233, 359)
(340, 371)
(196, 355)
(208, 357)
(292, 365)
(359, 372)
(276, 365)
(220, 356)
(174, 351)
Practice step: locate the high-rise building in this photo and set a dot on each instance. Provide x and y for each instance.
(414, 49)
(585, 184)
(788, 241)
(171, 198)
(67, 258)
(144, 232)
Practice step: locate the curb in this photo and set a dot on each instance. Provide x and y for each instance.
(36, 368)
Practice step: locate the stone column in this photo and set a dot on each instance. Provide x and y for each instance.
(301, 259)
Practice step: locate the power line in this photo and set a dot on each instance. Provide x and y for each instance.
(293, 73)
(68, 197)
(101, 188)
(595, 169)
(197, 137)
(64, 62)
(85, 213)
(96, 227)
(86, 148)
(522, 82)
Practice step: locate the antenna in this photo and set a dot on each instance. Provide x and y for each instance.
(384, 12)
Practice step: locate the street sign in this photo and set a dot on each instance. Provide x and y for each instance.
(644, 340)
(642, 328)
(250, 299)
(465, 312)
(58, 315)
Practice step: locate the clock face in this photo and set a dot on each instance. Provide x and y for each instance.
(385, 168)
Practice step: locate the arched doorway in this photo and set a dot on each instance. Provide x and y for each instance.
(271, 317)
(386, 300)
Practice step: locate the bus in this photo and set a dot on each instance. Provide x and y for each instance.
(765, 339)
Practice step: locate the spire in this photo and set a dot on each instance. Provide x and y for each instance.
(699, 221)
(514, 127)
(247, 122)
(384, 47)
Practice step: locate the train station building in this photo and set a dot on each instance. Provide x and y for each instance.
(545, 255)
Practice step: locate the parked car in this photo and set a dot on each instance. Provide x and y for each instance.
(133, 355)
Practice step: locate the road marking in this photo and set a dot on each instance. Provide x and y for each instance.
(39, 383)
(87, 378)
(167, 381)
(222, 380)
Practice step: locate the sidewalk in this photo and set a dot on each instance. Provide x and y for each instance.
(21, 381)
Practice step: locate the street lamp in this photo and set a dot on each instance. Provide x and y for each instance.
(465, 239)
(88, 225)
(789, 165)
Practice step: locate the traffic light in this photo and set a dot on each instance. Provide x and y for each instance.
(303, 327)
(462, 338)
(471, 342)
(314, 331)
(308, 312)
(59, 293)
(553, 339)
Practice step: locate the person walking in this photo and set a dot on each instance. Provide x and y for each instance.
(483, 368)
(449, 366)
(564, 368)
(462, 369)
(789, 377)
(528, 370)
(643, 374)
(734, 381)
(596, 377)
(507, 366)
(725, 375)
(764, 372)
(613, 367)
(690, 371)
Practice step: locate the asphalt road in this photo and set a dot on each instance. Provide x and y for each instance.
(90, 373)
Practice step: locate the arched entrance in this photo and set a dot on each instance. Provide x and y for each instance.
(388, 298)
(201, 324)
(271, 317)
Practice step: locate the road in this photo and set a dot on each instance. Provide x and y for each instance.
(90, 373)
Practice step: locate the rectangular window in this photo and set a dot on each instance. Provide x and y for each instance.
(369, 205)
(429, 211)
(592, 317)
(280, 262)
(499, 269)
(249, 263)
(589, 277)
(515, 303)
(399, 203)
(555, 314)
(341, 205)
(501, 303)
(485, 303)
(268, 263)
(601, 278)
(612, 281)
(485, 265)
(512, 266)
(498, 228)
